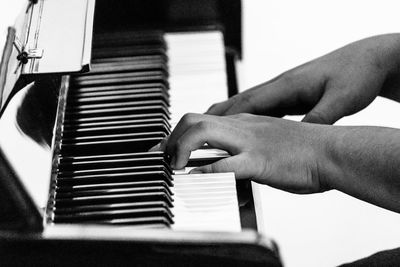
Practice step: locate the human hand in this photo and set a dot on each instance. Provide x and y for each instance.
(338, 84)
(281, 153)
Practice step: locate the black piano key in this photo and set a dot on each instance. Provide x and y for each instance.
(111, 118)
(74, 133)
(145, 58)
(125, 67)
(102, 101)
(129, 92)
(141, 155)
(138, 223)
(115, 170)
(111, 191)
(117, 198)
(78, 188)
(116, 104)
(129, 50)
(94, 216)
(128, 37)
(83, 125)
(116, 178)
(107, 163)
(110, 146)
(122, 78)
(120, 111)
(105, 139)
(115, 206)
(118, 87)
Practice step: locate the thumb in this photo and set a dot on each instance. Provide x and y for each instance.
(237, 164)
(328, 110)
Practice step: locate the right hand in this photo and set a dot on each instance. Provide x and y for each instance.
(326, 89)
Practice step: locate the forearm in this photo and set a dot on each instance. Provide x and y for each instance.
(365, 162)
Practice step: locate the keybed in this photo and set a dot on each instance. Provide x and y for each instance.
(120, 109)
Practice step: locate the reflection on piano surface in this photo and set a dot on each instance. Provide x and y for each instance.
(151, 62)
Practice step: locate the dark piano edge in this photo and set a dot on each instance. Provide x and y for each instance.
(91, 245)
(56, 147)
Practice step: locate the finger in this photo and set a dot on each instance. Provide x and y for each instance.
(331, 107)
(268, 98)
(216, 134)
(237, 164)
(160, 146)
(218, 108)
(187, 121)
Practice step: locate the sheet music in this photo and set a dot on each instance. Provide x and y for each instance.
(206, 202)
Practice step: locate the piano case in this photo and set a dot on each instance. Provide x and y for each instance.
(38, 66)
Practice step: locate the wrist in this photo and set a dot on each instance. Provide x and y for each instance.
(329, 163)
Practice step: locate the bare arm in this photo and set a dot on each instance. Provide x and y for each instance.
(297, 157)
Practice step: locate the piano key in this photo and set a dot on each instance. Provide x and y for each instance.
(117, 198)
(116, 104)
(121, 111)
(111, 191)
(116, 178)
(148, 58)
(79, 100)
(82, 125)
(90, 171)
(118, 87)
(76, 188)
(111, 146)
(76, 142)
(210, 208)
(140, 155)
(129, 50)
(125, 67)
(102, 96)
(128, 37)
(91, 216)
(115, 129)
(111, 162)
(117, 206)
(122, 78)
(111, 118)
(148, 222)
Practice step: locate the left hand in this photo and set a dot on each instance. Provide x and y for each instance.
(277, 152)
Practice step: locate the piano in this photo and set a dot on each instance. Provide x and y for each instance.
(86, 89)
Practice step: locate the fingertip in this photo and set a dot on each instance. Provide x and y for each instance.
(196, 171)
(155, 148)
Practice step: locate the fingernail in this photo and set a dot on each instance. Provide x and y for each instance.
(155, 148)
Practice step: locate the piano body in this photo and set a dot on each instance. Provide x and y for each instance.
(85, 90)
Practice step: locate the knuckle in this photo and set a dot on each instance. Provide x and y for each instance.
(188, 118)
(204, 126)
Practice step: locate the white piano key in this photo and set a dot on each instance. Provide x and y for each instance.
(200, 205)
(197, 72)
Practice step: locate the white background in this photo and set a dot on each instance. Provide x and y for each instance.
(329, 228)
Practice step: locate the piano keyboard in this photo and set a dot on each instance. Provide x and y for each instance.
(119, 110)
